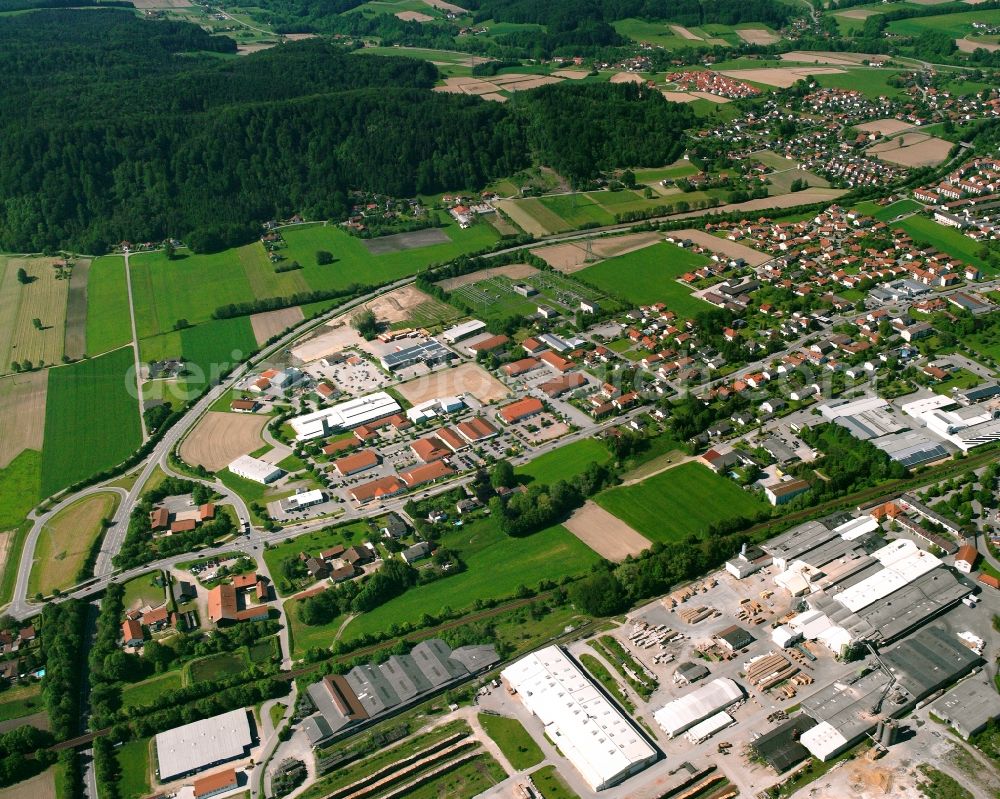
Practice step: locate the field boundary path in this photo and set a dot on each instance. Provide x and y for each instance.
(135, 348)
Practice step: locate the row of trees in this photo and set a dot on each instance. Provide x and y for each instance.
(62, 631)
(356, 596)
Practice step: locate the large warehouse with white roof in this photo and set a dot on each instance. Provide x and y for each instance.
(196, 746)
(581, 721)
(344, 416)
(702, 703)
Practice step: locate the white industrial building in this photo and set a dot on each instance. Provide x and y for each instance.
(255, 469)
(344, 416)
(201, 744)
(433, 408)
(707, 728)
(964, 426)
(463, 330)
(700, 704)
(580, 720)
(304, 499)
(902, 563)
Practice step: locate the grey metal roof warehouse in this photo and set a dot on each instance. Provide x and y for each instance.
(370, 691)
(912, 448)
(781, 747)
(928, 660)
(196, 746)
(969, 706)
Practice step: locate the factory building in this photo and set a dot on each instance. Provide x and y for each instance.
(698, 705)
(202, 744)
(369, 692)
(344, 416)
(847, 710)
(592, 733)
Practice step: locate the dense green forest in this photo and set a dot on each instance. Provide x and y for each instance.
(131, 130)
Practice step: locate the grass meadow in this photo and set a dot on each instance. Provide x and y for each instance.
(190, 287)
(91, 419)
(20, 487)
(566, 462)
(66, 541)
(495, 566)
(679, 502)
(870, 82)
(514, 741)
(946, 239)
(649, 275)
(108, 325)
(148, 691)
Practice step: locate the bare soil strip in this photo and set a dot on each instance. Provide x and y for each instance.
(782, 77)
(22, 414)
(465, 379)
(75, 344)
(572, 256)
(758, 36)
(971, 45)
(731, 249)
(627, 77)
(270, 323)
(513, 271)
(219, 438)
(684, 33)
(885, 126)
(607, 535)
(397, 242)
(413, 16)
(913, 149)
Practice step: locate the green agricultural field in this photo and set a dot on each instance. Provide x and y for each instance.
(870, 82)
(495, 566)
(680, 169)
(514, 741)
(148, 691)
(946, 239)
(20, 487)
(654, 33)
(649, 275)
(189, 287)
(108, 323)
(353, 263)
(957, 25)
(133, 759)
(375, 7)
(887, 213)
(217, 345)
(20, 701)
(216, 667)
(91, 419)
(577, 210)
(566, 462)
(679, 502)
